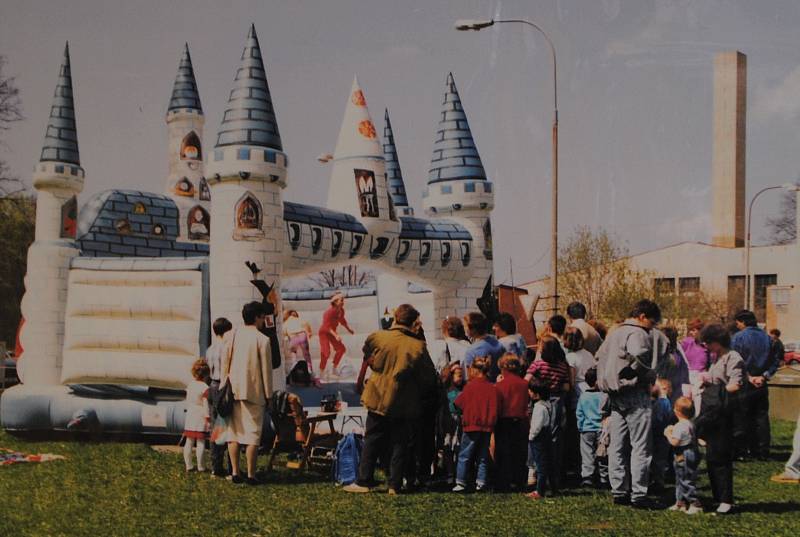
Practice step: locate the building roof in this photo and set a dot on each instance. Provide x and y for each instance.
(308, 214)
(61, 137)
(455, 156)
(418, 228)
(184, 91)
(397, 188)
(249, 118)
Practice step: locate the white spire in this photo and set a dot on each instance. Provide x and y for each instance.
(358, 137)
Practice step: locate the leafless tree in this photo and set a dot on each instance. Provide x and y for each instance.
(345, 276)
(10, 112)
(782, 228)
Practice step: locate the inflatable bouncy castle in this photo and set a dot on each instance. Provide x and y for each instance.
(121, 292)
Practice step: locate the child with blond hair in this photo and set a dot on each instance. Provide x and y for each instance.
(196, 425)
(686, 458)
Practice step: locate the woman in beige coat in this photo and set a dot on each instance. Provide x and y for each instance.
(248, 367)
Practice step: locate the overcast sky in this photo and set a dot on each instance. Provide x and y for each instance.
(635, 97)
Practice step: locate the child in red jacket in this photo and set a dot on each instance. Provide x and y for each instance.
(511, 431)
(479, 404)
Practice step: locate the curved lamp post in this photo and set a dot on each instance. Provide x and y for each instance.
(748, 301)
(468, 24)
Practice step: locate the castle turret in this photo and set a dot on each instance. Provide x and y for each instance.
(186, 183)
(358, 178)
(247, 175)
(459, 189)
(57, 178)
(394, 175)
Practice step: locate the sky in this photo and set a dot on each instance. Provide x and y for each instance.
(634, 79)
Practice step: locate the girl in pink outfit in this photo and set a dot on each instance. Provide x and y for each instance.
(697, 357)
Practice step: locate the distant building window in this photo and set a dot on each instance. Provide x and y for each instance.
(469, 187)
(487, 187)
(736, 285)
(59, 169)
(219, 154)
(243, 154)
(688, 286)
(760, 284)
(664, 287)
(447, 189)
(270, 156)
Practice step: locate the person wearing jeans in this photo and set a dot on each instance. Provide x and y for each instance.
(479, 403)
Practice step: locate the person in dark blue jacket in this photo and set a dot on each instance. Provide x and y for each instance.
(751, 434)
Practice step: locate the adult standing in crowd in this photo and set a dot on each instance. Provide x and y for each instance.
(751, 434)
(576, 313)
(714, 424)
(697, 358)
(791, 474)
(483, 344)
(505, 330)
(402, 377)
(248, 368)
(214, 353)
(623, 370)
(329, 337)
(455, 343)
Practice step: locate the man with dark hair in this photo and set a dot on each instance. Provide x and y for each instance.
(751, 435)
(624, 362)
(403, 377)
(247, 365)
(576, 313)
(213, 357)
(558, 324)
(483, 344)
(505, 329)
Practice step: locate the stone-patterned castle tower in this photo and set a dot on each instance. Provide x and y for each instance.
(186, 183)
(394, 175)
(459, 189)
(58, 178)
(247, 175)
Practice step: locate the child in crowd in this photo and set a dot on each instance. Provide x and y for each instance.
(449, 422)
(662, 417)
(479, 404)
(686, 458)
(540, 434)
(510, 431)
(219, 450)
(197, 416)
(589, 413)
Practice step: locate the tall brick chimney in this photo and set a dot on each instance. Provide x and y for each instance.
(728, 166)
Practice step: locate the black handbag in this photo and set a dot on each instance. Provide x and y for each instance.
(223, 398)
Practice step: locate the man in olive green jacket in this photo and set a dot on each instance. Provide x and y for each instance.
(402, 377)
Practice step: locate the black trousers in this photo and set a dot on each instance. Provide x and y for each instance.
(384, 435)
(721, 476)
(751, 421)
(510, 453)
(422, 447)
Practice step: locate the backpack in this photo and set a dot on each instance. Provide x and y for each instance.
(346, 459)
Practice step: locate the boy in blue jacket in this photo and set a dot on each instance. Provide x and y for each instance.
(589, 414)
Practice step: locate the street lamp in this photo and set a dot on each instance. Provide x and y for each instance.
(470, 24)
(789, 187)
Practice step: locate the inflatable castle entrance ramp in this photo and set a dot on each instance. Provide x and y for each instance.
(120, 295)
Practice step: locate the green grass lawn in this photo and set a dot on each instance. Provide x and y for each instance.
(128, 489)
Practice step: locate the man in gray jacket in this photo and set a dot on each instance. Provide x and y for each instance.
(624, 371)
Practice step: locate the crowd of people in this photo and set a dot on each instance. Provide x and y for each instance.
(625, 408)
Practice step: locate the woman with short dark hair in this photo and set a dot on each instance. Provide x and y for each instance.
(714, 424)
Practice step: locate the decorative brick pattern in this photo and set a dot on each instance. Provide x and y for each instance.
(397, 188)
(61, 138)
(184, 93)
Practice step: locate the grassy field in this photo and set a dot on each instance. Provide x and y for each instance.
(128, 489)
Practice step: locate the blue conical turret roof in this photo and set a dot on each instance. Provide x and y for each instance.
(455, 156)
(397, 189)
(249, 118)
(184, 91)
(61, 138)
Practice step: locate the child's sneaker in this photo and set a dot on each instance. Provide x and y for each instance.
(694, 509)
(534, 495)
(679, 506)
(459, 488)
(724, 509)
